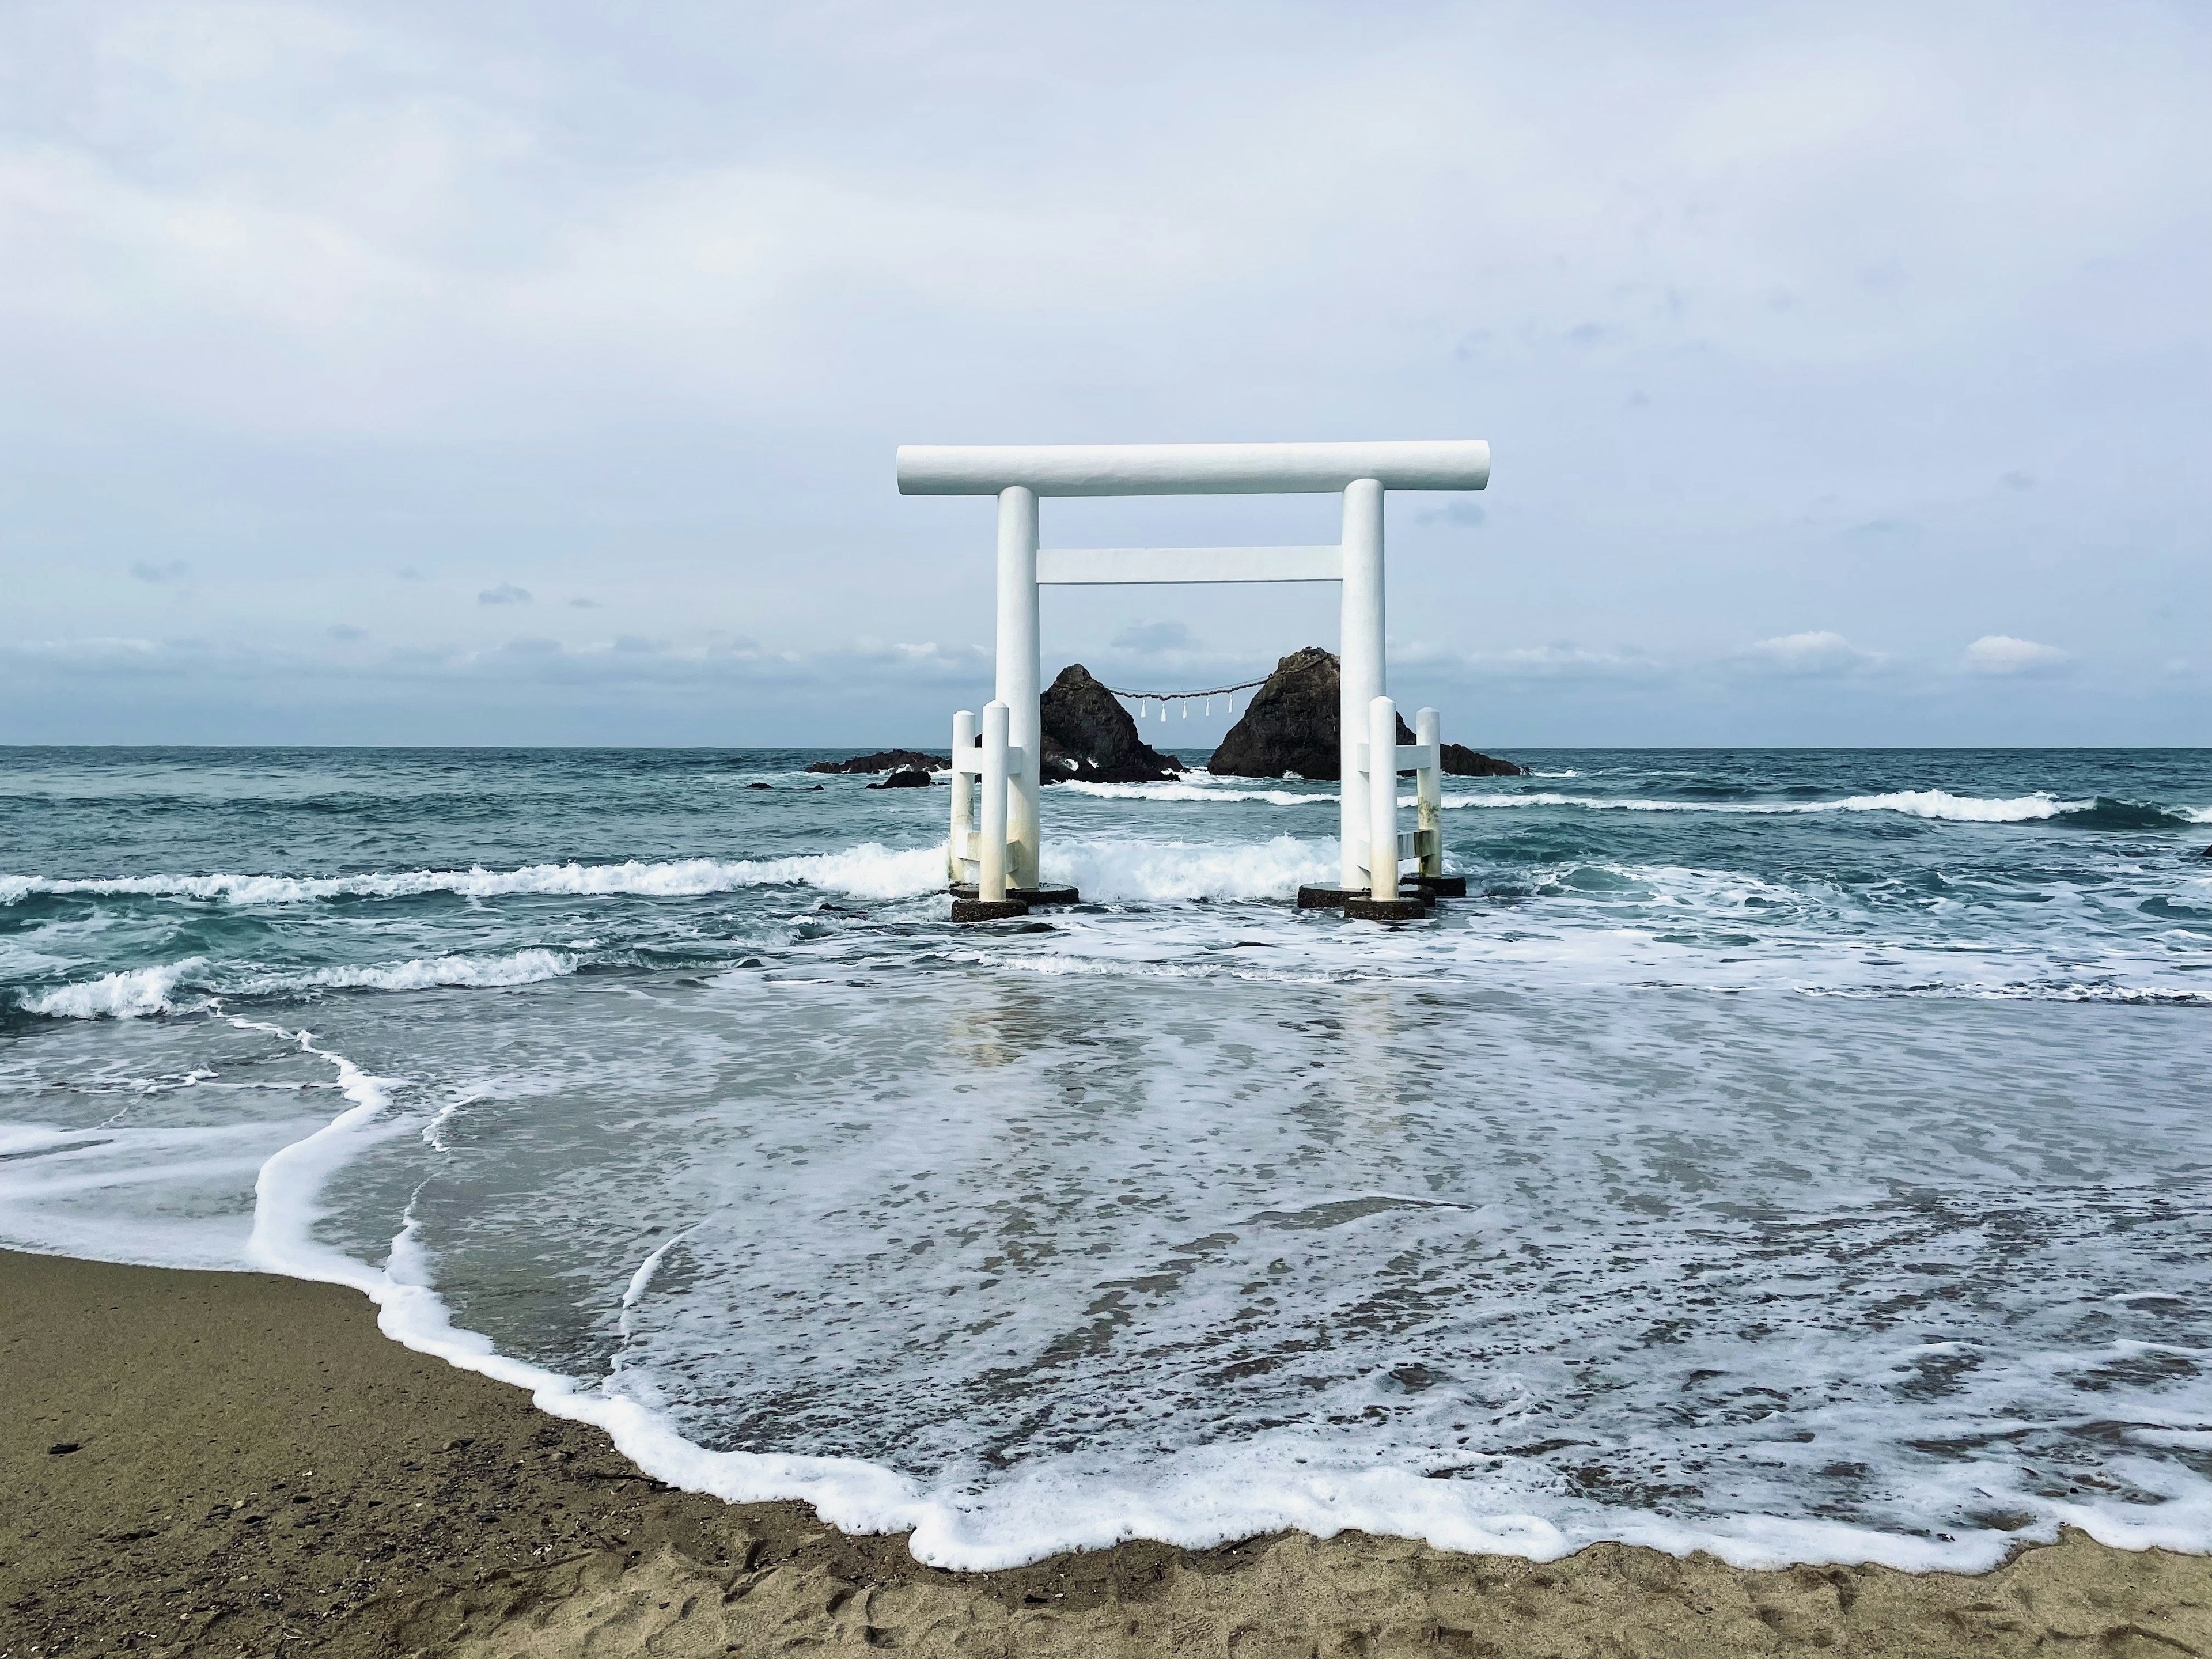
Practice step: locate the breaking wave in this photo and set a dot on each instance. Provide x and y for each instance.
(1192, 792)
(129, 995)
(1167, 870)
(2098, 812)
(868, 871)
(151, 990)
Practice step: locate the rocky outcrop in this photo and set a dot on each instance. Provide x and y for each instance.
(892, 760)
(1462, 762)
(1291, 729)
(1089, 738)
(1291, 725)
(905, 778)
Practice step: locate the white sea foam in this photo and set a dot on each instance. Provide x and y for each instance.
(522, 967)
(1114, 866)
(1911, 803)
(1182, 1143)
(1187, 792)
(1931, 804)
(139, 992)
(131, 994)
(1208, 1493)
(1128, 869)
(868, 871)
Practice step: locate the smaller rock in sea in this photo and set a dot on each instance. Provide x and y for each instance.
(890, 760)
(762, 786)
(909, 779)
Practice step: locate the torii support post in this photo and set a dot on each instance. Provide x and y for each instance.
(1382, 754)
(1020, 672)
(963, 797)
(1429, 801)
(1361, 674)
(990, 902)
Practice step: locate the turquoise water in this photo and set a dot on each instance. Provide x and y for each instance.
(1799, 1154)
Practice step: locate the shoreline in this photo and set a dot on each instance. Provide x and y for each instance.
(257, 1469)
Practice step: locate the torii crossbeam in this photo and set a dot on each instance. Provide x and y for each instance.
(1018, 474)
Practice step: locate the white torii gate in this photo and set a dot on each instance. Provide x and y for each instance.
(1018, 474)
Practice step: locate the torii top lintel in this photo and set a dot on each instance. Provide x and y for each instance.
(1190, 469)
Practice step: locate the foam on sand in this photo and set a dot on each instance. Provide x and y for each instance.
(1304, 1478)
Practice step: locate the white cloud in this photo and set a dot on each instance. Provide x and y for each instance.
(1809, 655)
(1561, 659)
(2000, 654)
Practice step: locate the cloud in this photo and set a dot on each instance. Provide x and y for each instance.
(1147, 638)
(1808, 655)
(346, 631)
(505, 593)
(2000, 654)
(581, 603)
(175, 570)
(1562, 660)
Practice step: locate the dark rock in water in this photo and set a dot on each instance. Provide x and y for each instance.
(892, 760)
(908, 778)
(1462, 762)
(1089, 735)
(1292, 727)
(760, 785)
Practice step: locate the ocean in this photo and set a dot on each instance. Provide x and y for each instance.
(1802, 1155)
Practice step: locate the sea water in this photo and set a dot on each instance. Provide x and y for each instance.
(1800, 1155)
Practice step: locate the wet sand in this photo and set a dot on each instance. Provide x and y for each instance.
(257, 1471)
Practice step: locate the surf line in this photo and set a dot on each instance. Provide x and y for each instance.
(850, 1493)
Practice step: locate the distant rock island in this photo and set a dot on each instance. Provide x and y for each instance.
(1291, 726)
(892, 760)
(1290, 729)
(1089, 736)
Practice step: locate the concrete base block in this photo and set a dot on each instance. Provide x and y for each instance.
(976, 909)
(966, 889)
(1443, 886)
(1327, 898)
(1363, 908)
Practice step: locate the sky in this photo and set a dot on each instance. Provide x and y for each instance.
(531, 373)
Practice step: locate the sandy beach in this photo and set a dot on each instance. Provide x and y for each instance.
(253, 1469)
